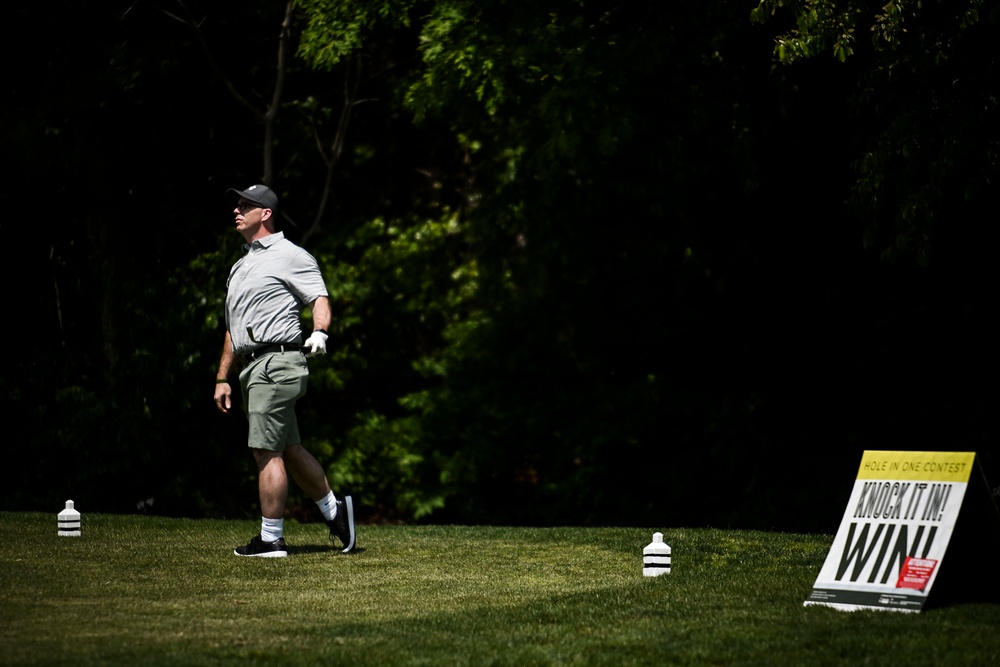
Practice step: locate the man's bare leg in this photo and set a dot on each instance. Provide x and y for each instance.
(272, 483)
(307, 472)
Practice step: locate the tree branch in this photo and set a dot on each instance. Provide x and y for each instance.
(351, 85)
(271, 114)
(188, 19)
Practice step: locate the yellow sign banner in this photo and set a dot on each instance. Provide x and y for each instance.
(927, 466)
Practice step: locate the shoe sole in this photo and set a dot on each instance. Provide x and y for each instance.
(349, 506)
(269, 554)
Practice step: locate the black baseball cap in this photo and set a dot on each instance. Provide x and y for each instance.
(259, 194)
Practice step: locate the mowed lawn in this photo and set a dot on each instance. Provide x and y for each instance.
(139, 590)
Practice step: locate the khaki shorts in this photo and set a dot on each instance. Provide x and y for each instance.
(271, 386)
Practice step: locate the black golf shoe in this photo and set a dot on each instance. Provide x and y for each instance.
(342, 525)
(260, 548)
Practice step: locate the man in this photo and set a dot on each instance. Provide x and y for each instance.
(267, 289)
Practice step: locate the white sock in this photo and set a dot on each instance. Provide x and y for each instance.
(328, 506)
(271, 529)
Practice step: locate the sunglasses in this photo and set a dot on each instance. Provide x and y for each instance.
(245, 206)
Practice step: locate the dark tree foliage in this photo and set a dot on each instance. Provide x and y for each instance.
(593, 262)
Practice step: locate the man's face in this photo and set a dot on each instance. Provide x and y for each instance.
(249, 217)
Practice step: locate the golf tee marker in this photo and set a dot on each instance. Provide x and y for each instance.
(656, 557)
(69, 521)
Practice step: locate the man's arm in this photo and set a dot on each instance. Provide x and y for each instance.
(322, 316)
(322, 313)
(223, 392)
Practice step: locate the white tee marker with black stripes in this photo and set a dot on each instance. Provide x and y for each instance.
(69, 521)
(656, 557)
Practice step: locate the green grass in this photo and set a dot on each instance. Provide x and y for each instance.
(140, 590)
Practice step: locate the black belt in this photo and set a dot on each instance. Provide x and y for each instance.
(259, 352)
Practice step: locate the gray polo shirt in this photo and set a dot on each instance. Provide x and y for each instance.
(268, 287)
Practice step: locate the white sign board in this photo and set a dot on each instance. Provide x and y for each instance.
(895, 531)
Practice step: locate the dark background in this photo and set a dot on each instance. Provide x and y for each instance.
(688, 310)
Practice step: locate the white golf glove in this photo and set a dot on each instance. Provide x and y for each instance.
(316, 344)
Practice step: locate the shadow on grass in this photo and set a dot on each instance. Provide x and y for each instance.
(321, 548)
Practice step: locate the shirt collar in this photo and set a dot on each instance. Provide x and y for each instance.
(263, 243)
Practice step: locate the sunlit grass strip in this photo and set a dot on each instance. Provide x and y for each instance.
(151, 591)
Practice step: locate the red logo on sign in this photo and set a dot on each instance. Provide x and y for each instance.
(916, 572)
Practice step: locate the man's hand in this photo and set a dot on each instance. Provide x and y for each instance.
(316, 344)
(223, 394)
